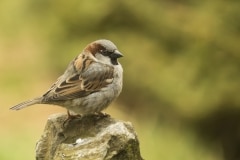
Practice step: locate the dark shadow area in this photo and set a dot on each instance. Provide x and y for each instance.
(222, 127)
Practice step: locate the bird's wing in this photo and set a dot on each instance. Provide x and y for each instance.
(89, 80)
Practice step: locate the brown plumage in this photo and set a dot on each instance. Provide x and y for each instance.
(89, 84)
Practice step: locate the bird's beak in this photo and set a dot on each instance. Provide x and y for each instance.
(116, 54)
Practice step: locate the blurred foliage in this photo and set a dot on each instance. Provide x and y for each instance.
(181, 65)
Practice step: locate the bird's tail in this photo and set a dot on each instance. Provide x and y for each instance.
(26, 104)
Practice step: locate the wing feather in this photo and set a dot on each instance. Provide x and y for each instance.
(95, 77)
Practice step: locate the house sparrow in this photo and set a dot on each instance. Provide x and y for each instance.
(89, 84)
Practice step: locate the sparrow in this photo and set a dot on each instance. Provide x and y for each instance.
(90, 82)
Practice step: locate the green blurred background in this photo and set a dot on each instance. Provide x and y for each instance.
(181, 71)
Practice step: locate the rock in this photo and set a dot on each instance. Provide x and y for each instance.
(91, 137)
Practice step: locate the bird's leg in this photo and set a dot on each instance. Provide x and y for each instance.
(70, 117)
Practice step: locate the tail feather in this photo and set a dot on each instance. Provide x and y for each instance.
(26, 104)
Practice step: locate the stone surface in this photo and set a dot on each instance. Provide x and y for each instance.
(96, 137)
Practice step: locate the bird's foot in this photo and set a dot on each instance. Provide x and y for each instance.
(102, 114)
(70, 117)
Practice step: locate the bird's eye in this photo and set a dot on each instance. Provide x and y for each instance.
(105, 52)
